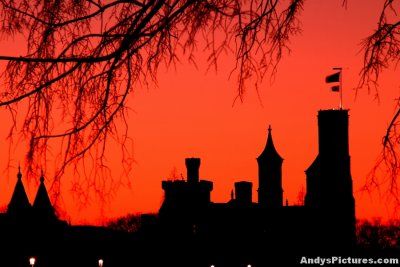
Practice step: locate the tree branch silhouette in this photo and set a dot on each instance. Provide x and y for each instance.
(84, 59)
(382, 50)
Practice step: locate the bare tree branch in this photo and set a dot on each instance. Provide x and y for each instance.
(382, 50)
(84, 58)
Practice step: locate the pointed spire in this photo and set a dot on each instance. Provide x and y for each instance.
(270, 192)
(19, 202)
(269, 150)
(42, 202)
(19, 175)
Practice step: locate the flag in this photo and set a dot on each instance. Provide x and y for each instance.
(335, 88)
(333, 77)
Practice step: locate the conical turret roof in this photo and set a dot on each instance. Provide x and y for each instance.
(19, 201)
(42, 201)
(269, 151)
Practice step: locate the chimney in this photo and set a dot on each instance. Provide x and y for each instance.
(192, 166)
(243, 192)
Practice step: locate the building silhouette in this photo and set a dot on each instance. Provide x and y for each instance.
(21, 212)
(323, 226)
(34, 230)
(191, 230)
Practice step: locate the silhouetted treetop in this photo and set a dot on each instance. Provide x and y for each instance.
(130, 223)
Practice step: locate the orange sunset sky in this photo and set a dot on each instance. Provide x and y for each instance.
(193, 113)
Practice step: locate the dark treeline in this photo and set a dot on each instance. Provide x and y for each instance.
(375, 237)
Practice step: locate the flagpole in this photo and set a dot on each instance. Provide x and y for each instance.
(340, 87)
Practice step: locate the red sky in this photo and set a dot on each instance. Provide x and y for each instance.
(191, 113)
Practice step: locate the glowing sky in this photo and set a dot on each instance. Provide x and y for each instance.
(192, 113)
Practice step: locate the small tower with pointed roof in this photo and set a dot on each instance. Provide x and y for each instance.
(19, 204)
(42, 206)
(270, 192)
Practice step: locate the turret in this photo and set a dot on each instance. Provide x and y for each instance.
(270, 192)
(42, 206)
(192, 167)
(19, 203)
(185, 200)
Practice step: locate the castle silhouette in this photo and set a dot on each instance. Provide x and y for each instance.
(191, 230)
(324, 225)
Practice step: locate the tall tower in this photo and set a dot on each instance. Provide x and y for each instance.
(270, 193)
(329, 181)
